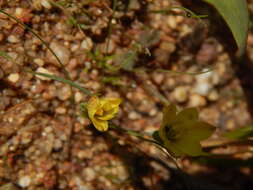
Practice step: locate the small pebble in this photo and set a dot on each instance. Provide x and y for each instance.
(19, 12)
(202, 88)
(89, 174)
(213, 95)
(78, 97)
(82, 154)
(172, 22)
(14, 77)
(13, 39)
(158, 78)
(46, 4)
(153, 112)
(24, 181)
(62, 53)
(64, 93)
(57, 144)
(181, 94)
(48, 129)
(43, 70)
(61, 110)
(39, 62)
(197, 100)
(87, 44)
(133, 115)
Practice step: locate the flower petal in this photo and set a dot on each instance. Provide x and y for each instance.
(110, 103)
(109, 114)
(201, 130)
(187, 115)
(169, 114)
(173, 150)
(100, 124)
(190, 148)
(92, 106)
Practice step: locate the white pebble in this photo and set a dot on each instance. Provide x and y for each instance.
(46, 4)
(213, 95)
(48, 129)
(197, 100)
(172, 22)
(64, 93)
(43, 70)
(89, 174)
(39, 62)
(60, 110)
(78, 97)
(14, 77)
(12, 39)
(203, 88)
(57, 144)
(87, 44)
(61, 51)
(180, 94)
(133, 115)
(19, 12)
(24, 181)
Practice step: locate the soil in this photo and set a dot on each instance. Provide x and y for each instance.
(46, 143)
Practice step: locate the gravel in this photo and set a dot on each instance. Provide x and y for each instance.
(46, 144)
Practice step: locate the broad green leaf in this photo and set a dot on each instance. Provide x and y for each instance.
(240, 133)
(235, 13)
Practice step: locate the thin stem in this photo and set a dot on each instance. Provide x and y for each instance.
(59, 79)
(192, 14)
(141, 136)
(114, 5)
(174, 72)
(134, 133)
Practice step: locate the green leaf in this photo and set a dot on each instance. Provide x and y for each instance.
(149, 38)
(235, 13)
(240, 133)
(127, 60)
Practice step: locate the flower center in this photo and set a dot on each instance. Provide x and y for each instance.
(171, 134)
(100, 112)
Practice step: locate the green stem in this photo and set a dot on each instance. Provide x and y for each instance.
(59, 79)
(110, 25)
(134, 133)
(174, 72)
(166, 11)
(141, 137)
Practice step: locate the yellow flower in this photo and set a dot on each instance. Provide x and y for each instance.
(181, 133)
(100, 110)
